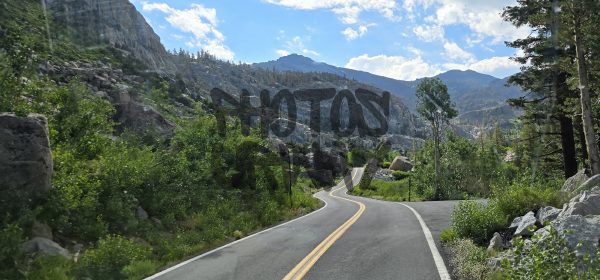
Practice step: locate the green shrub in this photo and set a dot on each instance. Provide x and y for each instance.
(51, 268)
(520, 198)
(139, 269)
(469, 260)
(477, 221)
(448, 235)
(11, 256)
(399, 175)
(385, 164)
(110, 256)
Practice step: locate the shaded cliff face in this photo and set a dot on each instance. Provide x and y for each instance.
(113, 22)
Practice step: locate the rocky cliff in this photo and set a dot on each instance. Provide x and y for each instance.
(113, 22)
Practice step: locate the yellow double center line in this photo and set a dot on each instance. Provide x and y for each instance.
(307, 263)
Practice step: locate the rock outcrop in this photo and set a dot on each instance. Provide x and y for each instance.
(25, 159)
(113, 22)
(526, 225)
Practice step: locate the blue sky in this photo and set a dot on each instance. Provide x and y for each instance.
(402, 39)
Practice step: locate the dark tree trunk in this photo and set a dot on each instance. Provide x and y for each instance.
(568, 146)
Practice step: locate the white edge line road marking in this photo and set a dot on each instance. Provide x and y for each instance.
(437, 258)
(161, 273)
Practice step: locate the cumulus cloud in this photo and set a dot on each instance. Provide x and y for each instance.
(482, 17)
(397, 67)
(352, 34)
(199, 21)
(347, 11)
(403, 68)
(429, 33)
(454, 53)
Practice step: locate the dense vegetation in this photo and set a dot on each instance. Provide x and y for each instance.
(556, 136)
(195, 188)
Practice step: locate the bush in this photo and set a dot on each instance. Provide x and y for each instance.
(549, 258)
(477, 221)
(520, 198)
(139, 269)
(448, 235)
(386, 164)
(399, 175)
(469, 260)
(51, 268)
(11, 238)
(111, 255)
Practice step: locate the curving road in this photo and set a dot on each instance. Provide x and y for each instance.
(349, 238)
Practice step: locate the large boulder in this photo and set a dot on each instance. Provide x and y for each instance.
(573, 182)
(589, 184)
(401, 163)
(526, 225)
(25, 159)
(576, 229)
(45, 247)
(588, 203)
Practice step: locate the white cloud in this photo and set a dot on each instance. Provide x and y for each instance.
(282, 52)
(198, 20)
(347, 11)
(454, 53)
(429, 33)
(402, 68)
(295, 45)
(482, 17)
(352, 34)
(396, 67)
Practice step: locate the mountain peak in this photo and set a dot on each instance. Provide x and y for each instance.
(295, 58)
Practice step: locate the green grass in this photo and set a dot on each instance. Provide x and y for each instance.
(388, 190)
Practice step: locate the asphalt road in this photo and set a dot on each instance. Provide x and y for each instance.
(349, 238)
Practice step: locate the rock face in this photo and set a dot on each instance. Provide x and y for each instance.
(575, 181)
(401, 163)
(41, 230)
(25, 159)
(113, 22)
(45, 247)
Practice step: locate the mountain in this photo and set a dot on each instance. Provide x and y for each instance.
(299, 63)
(475, 94)
(116, 24)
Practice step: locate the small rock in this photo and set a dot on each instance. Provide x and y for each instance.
(526, 225)
(45, 247)
(515, 223)
(547, 214)
(496, 243)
